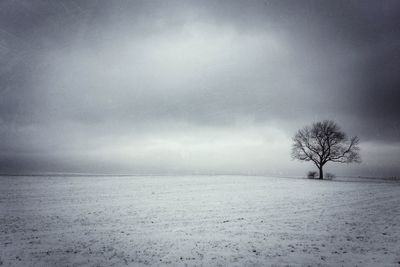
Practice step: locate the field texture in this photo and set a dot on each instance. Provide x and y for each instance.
(198, 220)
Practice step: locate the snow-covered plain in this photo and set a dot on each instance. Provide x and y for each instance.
(198, 220)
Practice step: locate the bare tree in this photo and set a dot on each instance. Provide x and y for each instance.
(323, 142)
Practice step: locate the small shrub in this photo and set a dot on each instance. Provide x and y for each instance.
(329, 176)
(312, 175)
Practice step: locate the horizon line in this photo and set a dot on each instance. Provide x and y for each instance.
(72, 174)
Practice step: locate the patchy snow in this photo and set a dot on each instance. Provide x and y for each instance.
(198, 220)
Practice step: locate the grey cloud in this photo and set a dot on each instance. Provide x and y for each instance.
(78, 71)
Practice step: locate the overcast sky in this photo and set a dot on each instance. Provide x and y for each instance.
(211, 87)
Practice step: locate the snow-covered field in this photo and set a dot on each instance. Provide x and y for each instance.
(198, 220)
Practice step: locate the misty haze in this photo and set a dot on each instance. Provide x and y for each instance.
(199, 133)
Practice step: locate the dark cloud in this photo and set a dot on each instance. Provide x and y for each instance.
(79, 76)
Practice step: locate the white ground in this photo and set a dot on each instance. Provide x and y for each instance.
(200, 220)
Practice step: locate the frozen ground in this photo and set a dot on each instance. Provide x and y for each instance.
(200, 220)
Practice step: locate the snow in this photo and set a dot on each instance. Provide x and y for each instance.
(197, 220)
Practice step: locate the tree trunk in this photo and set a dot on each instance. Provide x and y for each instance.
(321, 173)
